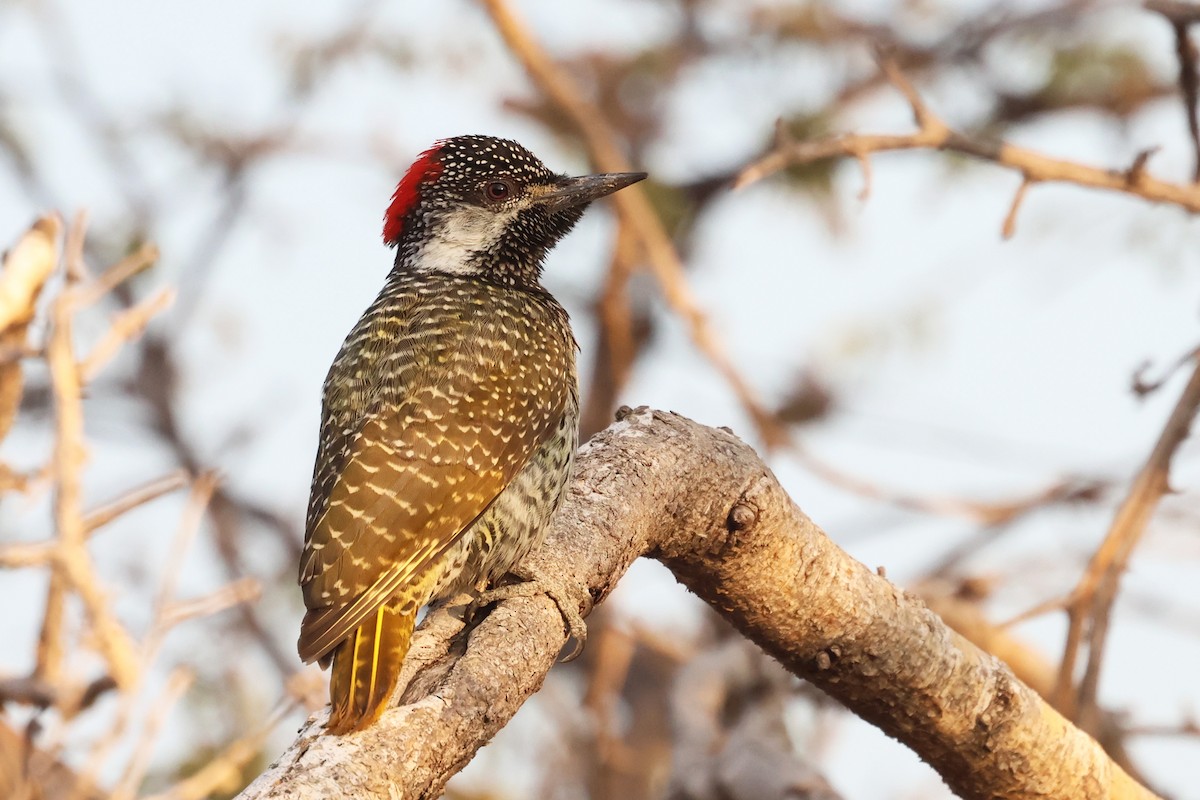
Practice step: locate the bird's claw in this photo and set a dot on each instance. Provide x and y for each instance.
(533, 583)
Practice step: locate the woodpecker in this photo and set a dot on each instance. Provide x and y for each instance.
(450, 416)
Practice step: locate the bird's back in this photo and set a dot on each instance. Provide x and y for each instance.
(447, 392)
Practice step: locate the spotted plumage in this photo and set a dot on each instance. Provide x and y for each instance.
(450, 414)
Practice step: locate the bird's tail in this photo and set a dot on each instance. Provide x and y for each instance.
(366, 666)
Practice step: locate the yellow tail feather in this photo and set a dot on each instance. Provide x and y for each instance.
(366, 667)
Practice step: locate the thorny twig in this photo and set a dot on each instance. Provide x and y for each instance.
(1092, 600)
(933, 134)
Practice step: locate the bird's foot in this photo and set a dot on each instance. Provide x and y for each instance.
(534, 582)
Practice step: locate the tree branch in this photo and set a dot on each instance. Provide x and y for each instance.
(703, 503)
(933, 134)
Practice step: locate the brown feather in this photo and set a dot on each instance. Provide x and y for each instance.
(405, 496)
(366, 667)
(447, 393)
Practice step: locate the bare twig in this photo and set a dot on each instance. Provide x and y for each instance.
(127, 325)
(138, 261)
(22, 555)
(1189, 728)
(933, 134)
(73, 251)
(864, 163)
(1142, 387)
(1010, 221)
(28, 691)
(39, 554)
(69, 698)
(1188, 84)
(1096, 591)
(189, 527)
(139, 496)
(73, 564)
(1044, 607)
(982, 512)
(243, 590)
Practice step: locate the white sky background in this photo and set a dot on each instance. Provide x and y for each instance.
(968, 365)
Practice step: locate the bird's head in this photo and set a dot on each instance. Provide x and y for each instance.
(482, 206)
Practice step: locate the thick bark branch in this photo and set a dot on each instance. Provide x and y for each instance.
(703, 503)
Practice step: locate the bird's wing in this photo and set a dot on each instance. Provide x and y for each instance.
(414, 477)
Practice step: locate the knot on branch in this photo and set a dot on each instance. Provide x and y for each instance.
(1000, 703)
(825, 659)
(624, 412)
(742, 517)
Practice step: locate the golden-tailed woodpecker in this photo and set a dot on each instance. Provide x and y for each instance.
(450, 415)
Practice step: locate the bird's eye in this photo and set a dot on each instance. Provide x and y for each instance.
(498, 190)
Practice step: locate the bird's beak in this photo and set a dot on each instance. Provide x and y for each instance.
(571, 192)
